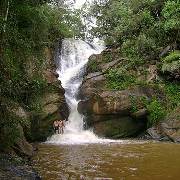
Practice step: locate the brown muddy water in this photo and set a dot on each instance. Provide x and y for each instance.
(129, 160)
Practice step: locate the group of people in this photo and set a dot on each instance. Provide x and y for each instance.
(58, 126)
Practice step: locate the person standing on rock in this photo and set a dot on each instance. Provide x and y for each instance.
(56, 127)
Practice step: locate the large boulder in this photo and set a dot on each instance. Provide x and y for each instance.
(21, 146)
(53, 107)
(110, 112)
(115, 126)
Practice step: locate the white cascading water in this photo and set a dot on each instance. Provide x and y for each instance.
(72, 60)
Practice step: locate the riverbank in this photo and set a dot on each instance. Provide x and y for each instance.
(15, 167)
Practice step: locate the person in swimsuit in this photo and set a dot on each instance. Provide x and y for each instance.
(61, 126)
(56, 127)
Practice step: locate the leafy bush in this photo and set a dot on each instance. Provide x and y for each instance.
(9, 131)
(140, 28)
(171, 14)
(138, 103)
(171, 67)
(119, 79)
(93, 66)
(172, 91)
(171, 62)
(156, 112)
(173, 56)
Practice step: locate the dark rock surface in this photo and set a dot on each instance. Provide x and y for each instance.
(169, 129)
(15, 168)
(53, 103)
(115, 126)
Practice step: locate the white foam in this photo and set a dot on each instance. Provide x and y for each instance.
(86, 137)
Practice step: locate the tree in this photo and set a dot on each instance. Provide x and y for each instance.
(141, 28)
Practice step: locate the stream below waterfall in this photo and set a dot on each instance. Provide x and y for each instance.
(126, 160)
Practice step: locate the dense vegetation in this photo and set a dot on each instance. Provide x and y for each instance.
(27, 27)
(144, 33)
(141, 28)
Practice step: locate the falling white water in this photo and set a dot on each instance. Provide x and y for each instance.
(72, 60)
(74, 56)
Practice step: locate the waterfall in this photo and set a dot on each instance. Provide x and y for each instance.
(74, 56)
(71, 61)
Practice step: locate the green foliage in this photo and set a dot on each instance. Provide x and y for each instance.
(108, 57)
(173, 56)
(172, 91)
(93, 66)
(134, 105)
(8, 125)
(171, 14)
(156, 112)
(171, 67)
(141, 28)
(138, 103)
(119, 79)
(171, 62)
(156, 108)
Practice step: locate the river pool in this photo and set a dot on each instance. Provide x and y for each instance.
(125, 160)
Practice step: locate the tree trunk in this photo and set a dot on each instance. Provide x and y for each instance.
(6, 17)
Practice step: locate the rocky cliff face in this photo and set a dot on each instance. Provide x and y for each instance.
(52, 102)
(47, 106)
(115, 97)
(30, 120)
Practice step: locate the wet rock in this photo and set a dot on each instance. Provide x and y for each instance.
(22, 146)
(50, 76)
(171, 126)
(140, 114)
(169, 129)
(152, 73)
(53, 107)
(154, 133)
(113, 102)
